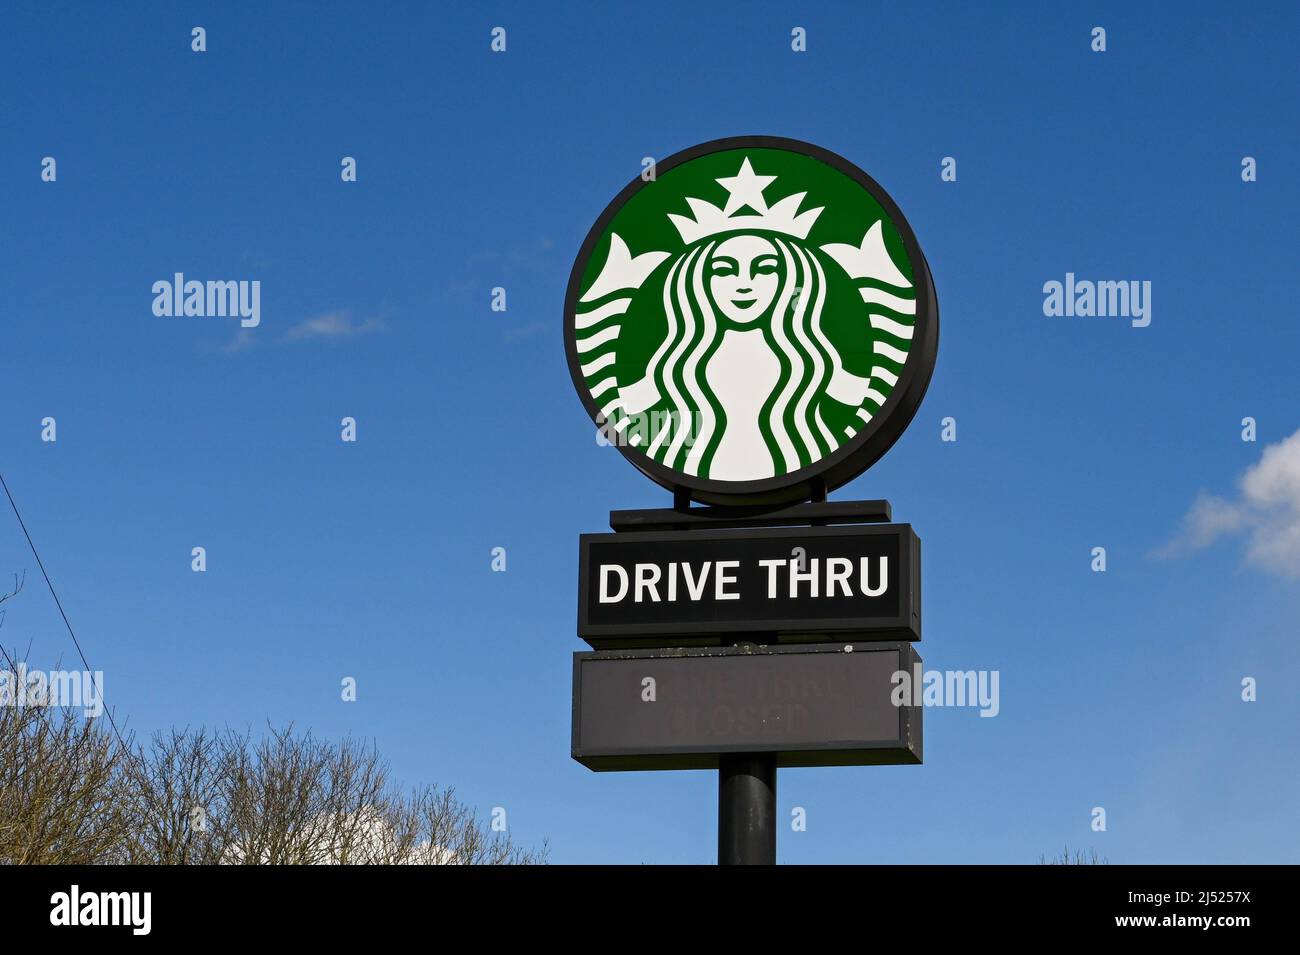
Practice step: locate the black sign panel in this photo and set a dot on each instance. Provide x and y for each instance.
(812, 705)
(691, 587)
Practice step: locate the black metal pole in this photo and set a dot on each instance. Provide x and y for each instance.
(747, 809)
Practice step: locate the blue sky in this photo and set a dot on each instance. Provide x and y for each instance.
(476, 170)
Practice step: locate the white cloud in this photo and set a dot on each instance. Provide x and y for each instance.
(243, 339)
(521, 333)
(1267, 511)
(332, 325)
(370, 841)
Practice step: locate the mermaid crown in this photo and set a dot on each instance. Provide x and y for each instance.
(745, 191)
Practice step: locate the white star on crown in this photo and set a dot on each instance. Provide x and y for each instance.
(745, 191)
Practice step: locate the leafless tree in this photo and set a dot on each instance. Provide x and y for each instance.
(432, 827)
(59, 775)
(292, 799)
(60, 787)
(1078, 858)
(171, 788)
(18, 587)
(71, 792)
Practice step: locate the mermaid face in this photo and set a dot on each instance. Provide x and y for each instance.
(744, 273)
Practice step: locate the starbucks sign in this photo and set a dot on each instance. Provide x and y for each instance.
(754, 324)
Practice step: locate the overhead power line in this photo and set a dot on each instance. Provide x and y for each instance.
(58, 603)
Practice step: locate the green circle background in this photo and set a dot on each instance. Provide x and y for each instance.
(860, 202)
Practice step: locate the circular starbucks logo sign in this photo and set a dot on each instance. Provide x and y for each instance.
(753, 325)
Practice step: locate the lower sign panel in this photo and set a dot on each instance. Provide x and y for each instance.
(812, 705)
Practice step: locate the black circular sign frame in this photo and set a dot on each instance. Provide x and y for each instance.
(858, 453)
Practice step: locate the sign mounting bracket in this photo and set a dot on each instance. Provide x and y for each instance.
(815, 513)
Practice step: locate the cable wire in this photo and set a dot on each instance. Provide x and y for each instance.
(58, 603)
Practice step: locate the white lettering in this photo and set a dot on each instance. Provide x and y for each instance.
(647, 579)
(722, 578)
(605, 571)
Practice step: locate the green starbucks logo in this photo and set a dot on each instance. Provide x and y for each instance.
(753, 321)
